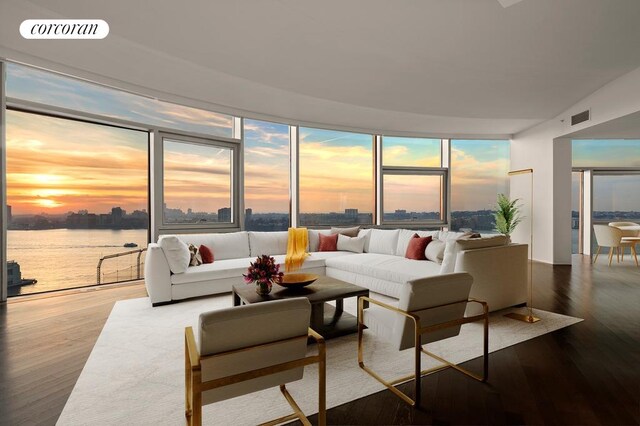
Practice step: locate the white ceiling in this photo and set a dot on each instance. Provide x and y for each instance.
(470, 65)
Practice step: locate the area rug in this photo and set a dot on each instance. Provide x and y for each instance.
(135, 373)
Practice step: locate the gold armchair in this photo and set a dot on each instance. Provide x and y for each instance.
(433, 309)
(235, 358)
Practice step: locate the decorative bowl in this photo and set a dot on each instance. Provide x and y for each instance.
(298, 280)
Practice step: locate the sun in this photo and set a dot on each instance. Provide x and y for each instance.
(48, 203)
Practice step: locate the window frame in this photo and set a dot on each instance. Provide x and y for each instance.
(235, 171)
(442, 171)
(295, 174)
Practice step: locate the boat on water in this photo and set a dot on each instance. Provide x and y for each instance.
(130, 245)
(14, 275)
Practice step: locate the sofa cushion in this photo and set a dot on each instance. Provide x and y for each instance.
(314, 240)
(232, 245)
(328, 242)
(269, 243)
(366, 233)
(352, 244)
(384, 241)
(349, 232)
(435, 251)
(417, 247)
(385, 267)
(406, 235)
(177, 253)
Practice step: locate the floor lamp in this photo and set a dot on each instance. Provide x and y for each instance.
(528, 317)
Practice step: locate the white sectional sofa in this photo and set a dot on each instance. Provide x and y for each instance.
(499, 271)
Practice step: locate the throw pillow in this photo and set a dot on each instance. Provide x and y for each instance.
(435, 251)
(352, 244)
(206, 253)
(177, 253)
(349, 232)
(416, 247)
(328, 242)
(196, 259)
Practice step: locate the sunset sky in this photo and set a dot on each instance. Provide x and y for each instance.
(56, 165)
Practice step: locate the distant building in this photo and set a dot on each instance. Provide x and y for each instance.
(224, 214)
(9, 215)
(248, 213)
(352, 213)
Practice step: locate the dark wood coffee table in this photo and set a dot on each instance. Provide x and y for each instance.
(327, 320)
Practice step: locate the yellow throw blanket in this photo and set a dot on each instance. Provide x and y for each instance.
(296, 249)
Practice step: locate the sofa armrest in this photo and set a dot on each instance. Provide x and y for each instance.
(499, 274)
(157, 275)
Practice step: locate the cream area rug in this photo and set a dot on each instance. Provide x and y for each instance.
(135, 373)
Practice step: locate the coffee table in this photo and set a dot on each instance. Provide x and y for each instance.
(327, 320)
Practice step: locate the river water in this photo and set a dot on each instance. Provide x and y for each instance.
(66, 258)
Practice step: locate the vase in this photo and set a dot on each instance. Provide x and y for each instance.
(263, 289)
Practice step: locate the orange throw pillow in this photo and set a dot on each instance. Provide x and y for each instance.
(328, 242)
(416, 247)
(206, 253)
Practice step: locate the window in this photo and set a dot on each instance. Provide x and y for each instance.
(479, 172)
(616, 197)
(336, 185)
(416, 152)
(56, 90)
(197, 182)
(413, 181)
(77, 191)
(576, 184)
(266, 176)
(413, 198)
(594, 153)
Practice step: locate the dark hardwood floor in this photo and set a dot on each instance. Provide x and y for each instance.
(588, 373)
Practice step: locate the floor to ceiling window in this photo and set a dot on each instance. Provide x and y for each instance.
(77, 192)
(612, 167)
(413, 181)
(266, 176)
(336, 183)
(478, 174)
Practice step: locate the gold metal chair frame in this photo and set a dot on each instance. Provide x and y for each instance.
(194, 387)
(419, 331)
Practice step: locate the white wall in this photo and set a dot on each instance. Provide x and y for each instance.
(544, 149)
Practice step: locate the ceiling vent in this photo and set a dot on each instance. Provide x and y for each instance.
(580, 117)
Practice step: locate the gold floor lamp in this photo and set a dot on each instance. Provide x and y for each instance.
(528, 317)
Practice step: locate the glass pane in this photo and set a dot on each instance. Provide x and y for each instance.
(57, 90)
(478, 174)
(336, 177)
(412, 198)
(575, 211)
(606, 153)
(76, 192)
(197, 183)
(417, 152)
(266, 176)
(616, 198)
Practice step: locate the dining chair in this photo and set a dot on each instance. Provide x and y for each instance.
(429, 309)
(249, 348)
(612, 237)
(629, 229)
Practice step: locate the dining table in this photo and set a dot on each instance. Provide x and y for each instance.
(629, 230)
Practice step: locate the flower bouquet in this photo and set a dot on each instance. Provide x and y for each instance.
(264, 272)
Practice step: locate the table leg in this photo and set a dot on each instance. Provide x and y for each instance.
(236, 298)
(317, 316)
(339, 306)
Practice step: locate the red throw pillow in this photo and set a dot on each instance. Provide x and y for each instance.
(206, 253)
(328, 242)
(416, 247)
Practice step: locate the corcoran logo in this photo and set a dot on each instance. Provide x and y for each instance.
(64, 29)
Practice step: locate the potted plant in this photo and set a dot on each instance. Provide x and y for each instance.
(507, 215)
(264, 272)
